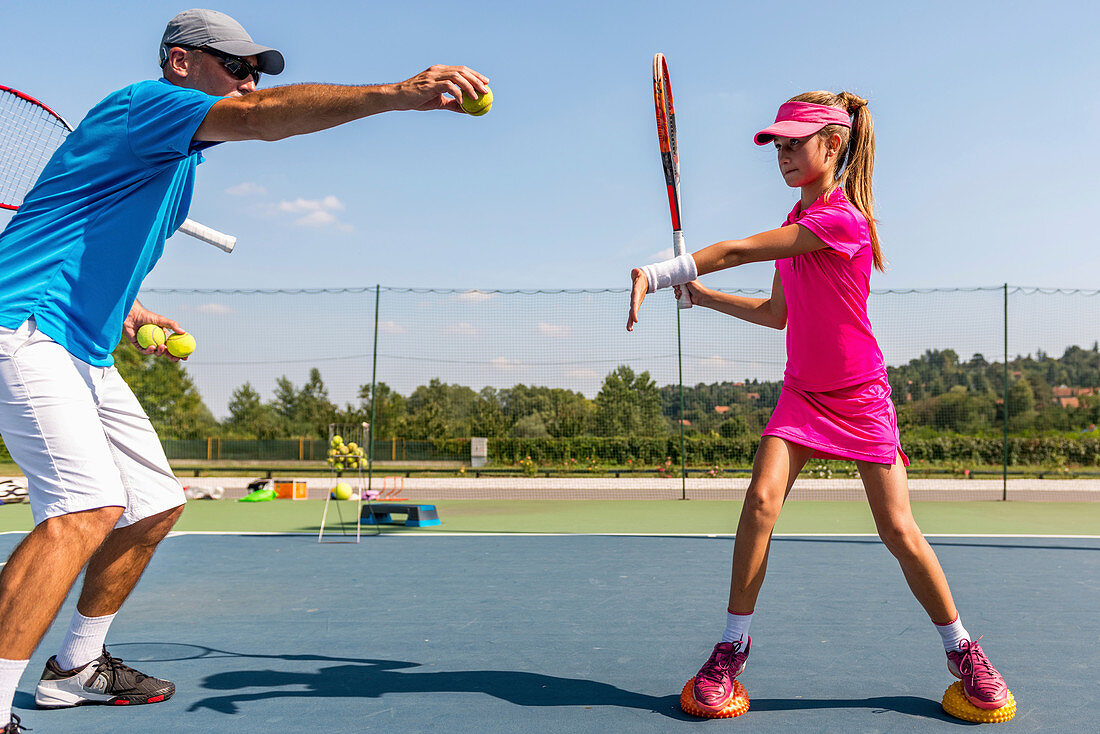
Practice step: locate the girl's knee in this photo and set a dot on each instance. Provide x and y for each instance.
(903, 540)
(762, 505)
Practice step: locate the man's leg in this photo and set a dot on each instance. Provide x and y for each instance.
(52, 429)
(154, 503)
(36, 579)
(113, 571)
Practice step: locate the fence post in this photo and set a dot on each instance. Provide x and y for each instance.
(1004, 470)
(373, 396)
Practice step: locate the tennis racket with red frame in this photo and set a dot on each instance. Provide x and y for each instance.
(30, 132)
(670, 158)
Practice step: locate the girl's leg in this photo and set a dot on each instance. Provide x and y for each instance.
(774, 470)
(888, 493)
(887, 490)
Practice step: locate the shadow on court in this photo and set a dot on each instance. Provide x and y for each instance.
(372, 678)
(382, 677)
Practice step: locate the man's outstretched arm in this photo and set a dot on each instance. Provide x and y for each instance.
(297, 109)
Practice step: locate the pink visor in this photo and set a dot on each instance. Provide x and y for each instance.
(802, 119)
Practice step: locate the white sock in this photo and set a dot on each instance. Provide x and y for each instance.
(737, 626)
(10, 672)
(952, 634)
(84, 641)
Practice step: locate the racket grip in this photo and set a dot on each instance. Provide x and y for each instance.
(209, 235)
(678, 248)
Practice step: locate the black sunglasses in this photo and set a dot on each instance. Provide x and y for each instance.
(235, 65)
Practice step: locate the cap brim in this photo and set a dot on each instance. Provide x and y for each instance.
(788, 129)
(270, 60)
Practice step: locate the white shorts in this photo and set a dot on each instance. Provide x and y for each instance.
(78, 433)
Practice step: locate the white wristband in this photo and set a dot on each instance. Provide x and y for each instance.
(677, 271)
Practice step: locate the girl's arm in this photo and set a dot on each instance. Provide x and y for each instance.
(772, 245)
(764, 311)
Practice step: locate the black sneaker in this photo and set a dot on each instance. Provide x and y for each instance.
(13, 726)
(105, 680)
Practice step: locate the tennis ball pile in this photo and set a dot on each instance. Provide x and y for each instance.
(150, 335)
(345, 455)
(477, 107)
(341, 491)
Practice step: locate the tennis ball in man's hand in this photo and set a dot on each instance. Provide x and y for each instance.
(341, 491)
(477, 107)
(150, 335)
(180, 345)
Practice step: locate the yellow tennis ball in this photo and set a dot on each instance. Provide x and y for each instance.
(477, 107)
(180, 345)
(341, 491)
(150, 335)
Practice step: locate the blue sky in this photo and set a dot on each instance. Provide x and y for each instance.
(986, 173)
(985, 114)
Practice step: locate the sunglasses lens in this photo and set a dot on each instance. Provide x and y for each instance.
(241, 69)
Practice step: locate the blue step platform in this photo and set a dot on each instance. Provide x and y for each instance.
(416, 516)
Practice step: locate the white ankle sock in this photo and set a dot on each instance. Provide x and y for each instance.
(10, 672)
(737, 626)
(952, 634)
(84, 641)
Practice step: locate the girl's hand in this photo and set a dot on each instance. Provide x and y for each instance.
(637, 295)
(697, 294)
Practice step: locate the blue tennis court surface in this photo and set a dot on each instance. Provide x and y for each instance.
(579, 633)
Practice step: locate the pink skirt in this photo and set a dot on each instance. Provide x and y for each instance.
(854, 423)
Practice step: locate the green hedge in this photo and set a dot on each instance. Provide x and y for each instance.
(739, 451)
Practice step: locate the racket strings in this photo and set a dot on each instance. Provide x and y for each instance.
(29, 135)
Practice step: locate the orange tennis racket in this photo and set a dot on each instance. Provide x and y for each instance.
(670, 158)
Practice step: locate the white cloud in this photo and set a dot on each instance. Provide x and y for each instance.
(315, 219)
(509, 365)
(391, 327)
(555, 331)
(246, 188)
(217, 309)
(318, 212)
(666, 254)
(462, 328)
(328, 203)
(714, 361)
(473, 297)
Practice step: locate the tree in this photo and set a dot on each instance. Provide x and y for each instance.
(166, 393)
(389, 415)
(489, 419)
(1021, 399)
(628, 405)
(249, 417)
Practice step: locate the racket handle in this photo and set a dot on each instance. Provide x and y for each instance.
(678, 248)
(209, 235)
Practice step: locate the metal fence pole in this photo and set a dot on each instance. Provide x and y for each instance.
(1004, 471)
(373, 395)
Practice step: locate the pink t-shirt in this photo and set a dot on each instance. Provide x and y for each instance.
(829, 339)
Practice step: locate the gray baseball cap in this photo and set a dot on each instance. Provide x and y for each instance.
(211, 29)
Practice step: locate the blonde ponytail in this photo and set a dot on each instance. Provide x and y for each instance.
(856, 159)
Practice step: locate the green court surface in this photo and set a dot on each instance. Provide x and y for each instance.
(640, 517)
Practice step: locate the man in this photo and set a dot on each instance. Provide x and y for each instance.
(71, 262)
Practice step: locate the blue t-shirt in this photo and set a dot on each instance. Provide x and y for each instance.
(94, 225)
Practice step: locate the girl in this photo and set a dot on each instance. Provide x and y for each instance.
(835, 402)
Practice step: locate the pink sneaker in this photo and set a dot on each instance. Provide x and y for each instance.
(982, 684)
(713, 687)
